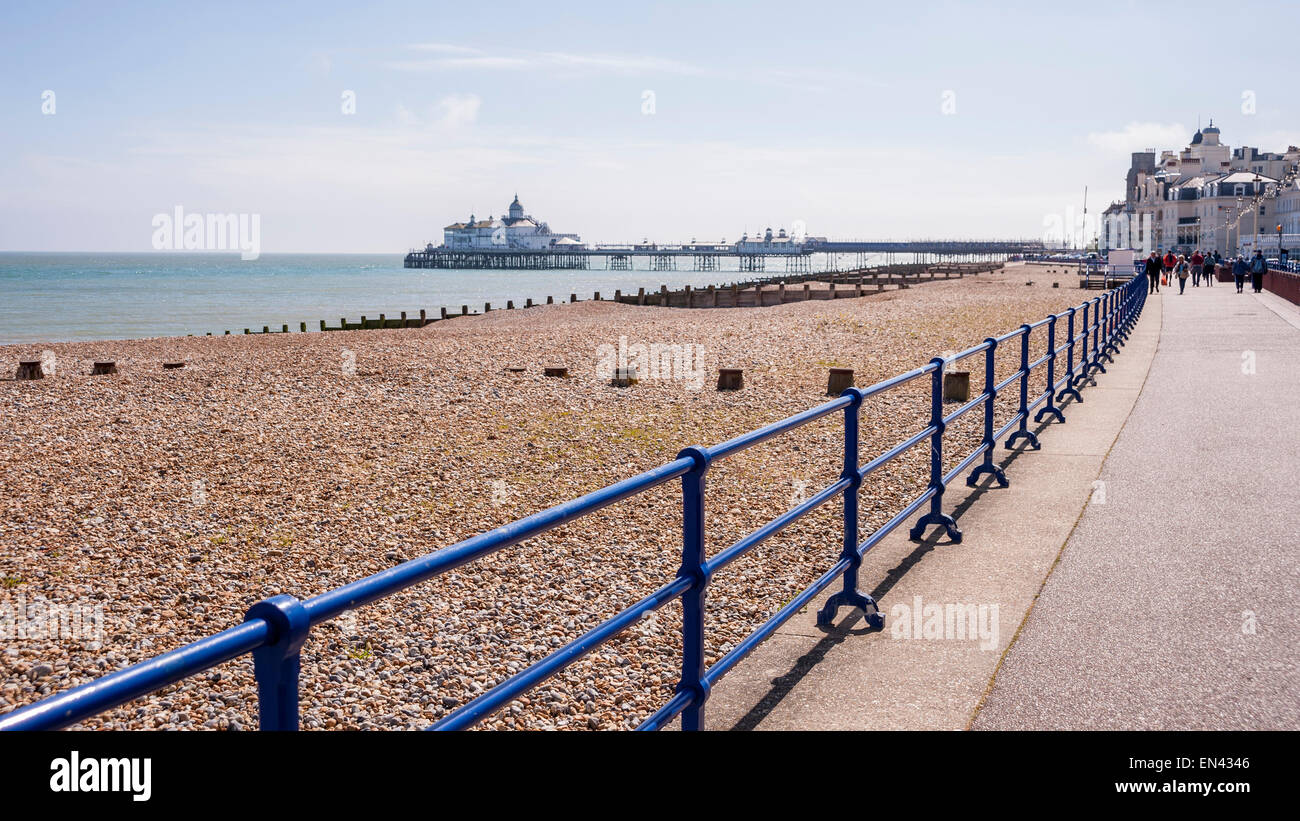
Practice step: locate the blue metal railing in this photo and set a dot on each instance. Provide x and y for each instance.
(275, 629)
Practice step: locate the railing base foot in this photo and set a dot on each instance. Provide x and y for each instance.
(998, 473)
(846, 598)
(1060, 417)
(945, 521)
(1028, 434)
(1078, 397)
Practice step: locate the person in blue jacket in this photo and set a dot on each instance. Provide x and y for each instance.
(1239, 272)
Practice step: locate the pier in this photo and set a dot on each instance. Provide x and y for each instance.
(794, 256)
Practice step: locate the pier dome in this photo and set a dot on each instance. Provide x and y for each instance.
(513, 230)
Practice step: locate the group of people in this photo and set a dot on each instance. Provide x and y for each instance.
(1200, 265)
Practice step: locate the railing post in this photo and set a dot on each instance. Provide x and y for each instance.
(850, 596)
(990, 397)
(1105, 326)
(1121, 318)
(1112, 325)
(1083, 349)
(936, 516)
(1069, 389)
(1050, 407)
(1095, 364)
(693, 568)
(1139, 299)
(275, 665)
(1023, 410)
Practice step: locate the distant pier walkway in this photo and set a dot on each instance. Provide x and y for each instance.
(1171, 498)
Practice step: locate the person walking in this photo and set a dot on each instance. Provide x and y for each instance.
(1170, 261)
(1152, 270)
(1182, 269)
(1258, 267)
(1211, 268)
(1198, 267)
(1239, 272)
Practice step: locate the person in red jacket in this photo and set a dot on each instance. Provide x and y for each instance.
(1170, 261)
(1198, 266)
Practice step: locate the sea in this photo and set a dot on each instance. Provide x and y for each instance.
(60, 297)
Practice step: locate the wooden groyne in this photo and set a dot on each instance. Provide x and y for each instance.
(762, 292)
(779, 290)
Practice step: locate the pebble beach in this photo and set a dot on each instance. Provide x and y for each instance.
(295, 463)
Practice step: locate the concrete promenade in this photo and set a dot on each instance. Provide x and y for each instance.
(852, 677)
(1174, 605)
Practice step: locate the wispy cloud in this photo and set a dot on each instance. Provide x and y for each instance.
(456, 57)
(1137, 136)
(486, 63)
(444, 48)
(455, 111)
(605, 62)
(465, 57)
(458, 110)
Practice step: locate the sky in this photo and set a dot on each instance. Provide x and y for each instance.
(617, 121)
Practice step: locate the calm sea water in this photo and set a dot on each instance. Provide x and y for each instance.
(54, 297)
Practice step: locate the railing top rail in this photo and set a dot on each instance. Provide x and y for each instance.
(748, 440)
(1009, 335)
(902, 378)
(92, 698)
(960, 355)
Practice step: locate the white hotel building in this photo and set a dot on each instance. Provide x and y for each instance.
(1209, 197)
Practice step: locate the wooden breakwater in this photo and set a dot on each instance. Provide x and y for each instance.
(761, 292)
(779, 290)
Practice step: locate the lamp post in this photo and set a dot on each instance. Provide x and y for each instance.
(1236, 223)
(1255, 207)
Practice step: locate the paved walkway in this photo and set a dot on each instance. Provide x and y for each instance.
(1175, 603)
(852, 677)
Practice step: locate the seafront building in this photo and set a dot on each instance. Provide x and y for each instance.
(1207, 196)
